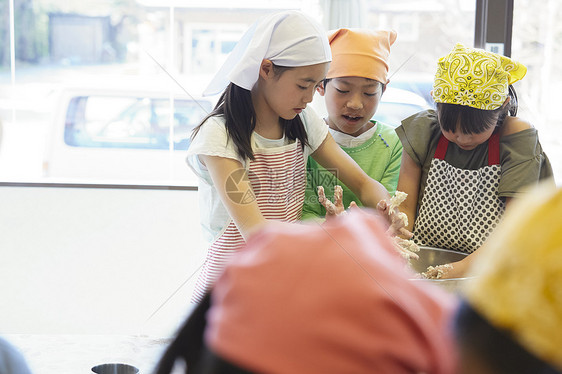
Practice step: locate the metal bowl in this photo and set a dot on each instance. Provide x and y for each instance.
(115, 368)
(430, 256)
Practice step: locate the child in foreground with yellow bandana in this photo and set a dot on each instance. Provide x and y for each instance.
(353, 87)
(465, 161)
(511, 318)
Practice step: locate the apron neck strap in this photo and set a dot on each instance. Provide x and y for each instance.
(494, 149)
(441, 150)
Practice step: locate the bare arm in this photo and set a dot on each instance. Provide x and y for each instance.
(247, 214)
(333, 158)
(409, 182)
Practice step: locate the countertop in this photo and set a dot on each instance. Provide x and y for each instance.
(74, 354)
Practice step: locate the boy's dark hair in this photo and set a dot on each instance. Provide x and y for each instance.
(472, 120)
(326, 80)
(235, 104)
(495, 347)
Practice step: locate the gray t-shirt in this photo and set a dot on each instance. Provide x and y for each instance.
(522, 159)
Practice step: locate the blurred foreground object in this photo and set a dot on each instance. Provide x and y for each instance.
(517, 281)
(334, 298)
(11, 360)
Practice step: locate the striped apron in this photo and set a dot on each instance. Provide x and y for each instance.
(460, 207)
(278, 179)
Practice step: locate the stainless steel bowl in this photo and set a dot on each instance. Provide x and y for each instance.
(115, 368)
(430, 256)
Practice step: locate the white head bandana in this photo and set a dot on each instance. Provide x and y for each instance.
(287, 38)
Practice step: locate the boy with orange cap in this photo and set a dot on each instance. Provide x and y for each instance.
(352, 90)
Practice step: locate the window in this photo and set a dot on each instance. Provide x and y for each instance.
(170, 46)
(536, 43)
(73, 84)
(426, 30)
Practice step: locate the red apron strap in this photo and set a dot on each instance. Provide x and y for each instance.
(494, 149)
(441, 148)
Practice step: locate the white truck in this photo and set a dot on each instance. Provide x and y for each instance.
(124, 136)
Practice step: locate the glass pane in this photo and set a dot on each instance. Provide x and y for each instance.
(426, 30)
(536, 43)
(88, 96)
(70, 56)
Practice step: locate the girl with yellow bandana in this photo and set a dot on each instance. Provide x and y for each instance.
(463, 162)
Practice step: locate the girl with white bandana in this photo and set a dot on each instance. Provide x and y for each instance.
(465, 161)
(250, 153)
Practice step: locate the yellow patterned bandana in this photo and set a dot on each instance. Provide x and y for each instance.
(475, 78)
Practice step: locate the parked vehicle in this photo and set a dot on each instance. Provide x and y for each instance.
(397, 104)
(122, 136)
(139, 136)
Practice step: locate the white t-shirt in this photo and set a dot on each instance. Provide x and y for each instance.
(212, 140)
(350, 141)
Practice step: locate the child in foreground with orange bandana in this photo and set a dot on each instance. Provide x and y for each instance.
(510, 320)
(330, 299)
(465, 161)
(353, 87)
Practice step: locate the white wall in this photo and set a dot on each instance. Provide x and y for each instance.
(96, 260)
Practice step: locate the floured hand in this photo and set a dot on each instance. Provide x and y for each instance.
(335, 208)
(398, 219)
(406, 248)
(437, 272)
(457, 269)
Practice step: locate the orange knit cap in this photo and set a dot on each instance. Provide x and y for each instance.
(360, 53)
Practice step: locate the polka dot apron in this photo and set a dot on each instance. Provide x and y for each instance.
(460, 207)
(278, 179)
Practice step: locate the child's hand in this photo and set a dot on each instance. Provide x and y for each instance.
(438, 272)
(398, 224)
(456, 269)
(336, 208)
(406, 248)
(398, 220)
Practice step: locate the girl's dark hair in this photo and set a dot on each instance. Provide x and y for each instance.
(495, 347)
(472, 120)
(211, 363)
(188, 344)
(235, 104)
